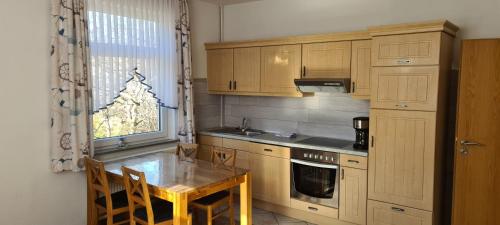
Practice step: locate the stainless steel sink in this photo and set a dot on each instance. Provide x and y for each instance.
(238, 131)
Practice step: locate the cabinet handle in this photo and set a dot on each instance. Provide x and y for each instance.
(312, 208)
(397, 209)
(304, 72)
(353, 87)
(353, 161)
(373, 138)
(404, 61)
(402, 105)
(230, 85)
(268, 150)
(342, 173)
(234, 85)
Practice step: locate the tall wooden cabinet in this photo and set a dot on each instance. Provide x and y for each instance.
(408, 107)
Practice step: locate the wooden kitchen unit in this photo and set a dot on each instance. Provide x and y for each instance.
(410, 71)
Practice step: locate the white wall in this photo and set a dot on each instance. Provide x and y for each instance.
(30, 194)
(204, 28)
(274, 18)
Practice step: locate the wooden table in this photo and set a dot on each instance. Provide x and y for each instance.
(180, 181)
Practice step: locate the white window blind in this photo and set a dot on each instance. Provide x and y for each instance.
(129, 34)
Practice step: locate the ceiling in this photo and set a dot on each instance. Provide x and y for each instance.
(229, 2)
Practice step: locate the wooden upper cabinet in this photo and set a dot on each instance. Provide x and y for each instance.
(380, 213)
(352, 202)
(407, 88)
(406, 49)
(401, 162)
(326, 60)
(247, 69)
(220, 69)
(361, 69)
(280, 65)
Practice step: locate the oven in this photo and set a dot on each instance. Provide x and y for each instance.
(315, 177)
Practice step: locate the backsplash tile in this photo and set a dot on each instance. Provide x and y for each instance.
(206, 107)
(325, 114)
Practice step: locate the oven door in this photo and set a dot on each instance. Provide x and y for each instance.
(315, 182)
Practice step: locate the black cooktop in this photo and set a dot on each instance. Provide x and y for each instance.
(326, 142)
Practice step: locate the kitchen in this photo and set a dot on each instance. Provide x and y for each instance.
(292, 112)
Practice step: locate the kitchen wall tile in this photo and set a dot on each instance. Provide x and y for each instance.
(344, 104)
(325, 130)
(271, 113)
(333, 117)
(231, 100)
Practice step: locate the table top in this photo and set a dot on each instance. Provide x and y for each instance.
(167, 172)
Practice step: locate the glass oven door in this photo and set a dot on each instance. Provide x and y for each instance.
(315, 182)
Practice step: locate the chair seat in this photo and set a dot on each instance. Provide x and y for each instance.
(119, 218)
(213, 198)
(119, 200)
(162, 210)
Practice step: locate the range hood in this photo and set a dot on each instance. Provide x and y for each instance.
(336, 85)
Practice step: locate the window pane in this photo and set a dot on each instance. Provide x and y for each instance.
(134, 111)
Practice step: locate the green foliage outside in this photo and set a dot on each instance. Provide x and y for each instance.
(135, 111)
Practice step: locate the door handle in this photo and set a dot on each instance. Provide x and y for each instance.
(234, 85)
(304, 72)
(342, 174)
(464, 149)
(353, 87)
(230, 85)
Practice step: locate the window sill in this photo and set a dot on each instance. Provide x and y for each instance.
(113, 154)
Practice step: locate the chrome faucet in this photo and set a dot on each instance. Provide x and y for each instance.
(244, 125)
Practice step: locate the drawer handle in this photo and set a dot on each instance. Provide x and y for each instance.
(397, 209)
(268, 150)
(353, 161)
(404, 61)
(312, 208)
(402, 105)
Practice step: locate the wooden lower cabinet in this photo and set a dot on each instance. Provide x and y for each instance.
(271, 179)
(314, 208)
(380, 213)
(353, 195)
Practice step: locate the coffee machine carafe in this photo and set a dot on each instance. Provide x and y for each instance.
(360, 125)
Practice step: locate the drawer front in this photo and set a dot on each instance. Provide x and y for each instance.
(352, 161)
(406, 49)
(314, 208)
(235, 144)
(380, 213)
(210, 140)
(405, 88)
(270, 150)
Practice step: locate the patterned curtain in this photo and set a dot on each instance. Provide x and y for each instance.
(71, 138)
(186, 132)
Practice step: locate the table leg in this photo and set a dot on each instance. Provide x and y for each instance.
(181, 216)
(246, 200)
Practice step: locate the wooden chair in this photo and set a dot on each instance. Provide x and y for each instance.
(143, 209)
(115, 205)
(220, 158)
(187, 151)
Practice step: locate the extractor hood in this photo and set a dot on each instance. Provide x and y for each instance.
(337, 85)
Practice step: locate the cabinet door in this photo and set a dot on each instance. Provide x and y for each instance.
(353, 191)
(361, 69)
(220, 69)
(406, 49)
(380, 213)
(247, 69)
(401, 157)
(326, 60)
(271, 179)
(280, 65)
(407, 88)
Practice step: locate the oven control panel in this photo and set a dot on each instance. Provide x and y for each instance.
(315, 156)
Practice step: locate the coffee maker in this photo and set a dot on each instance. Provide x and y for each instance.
(360, 125)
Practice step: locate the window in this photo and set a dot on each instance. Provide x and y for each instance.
(133, 67)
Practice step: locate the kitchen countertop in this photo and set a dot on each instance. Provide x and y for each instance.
(272, 139)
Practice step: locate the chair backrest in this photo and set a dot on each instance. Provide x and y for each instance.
(97, 182)
(137, 193)
(223, 157)
(187, 151)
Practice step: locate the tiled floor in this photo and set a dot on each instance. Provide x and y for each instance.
(260, 217)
